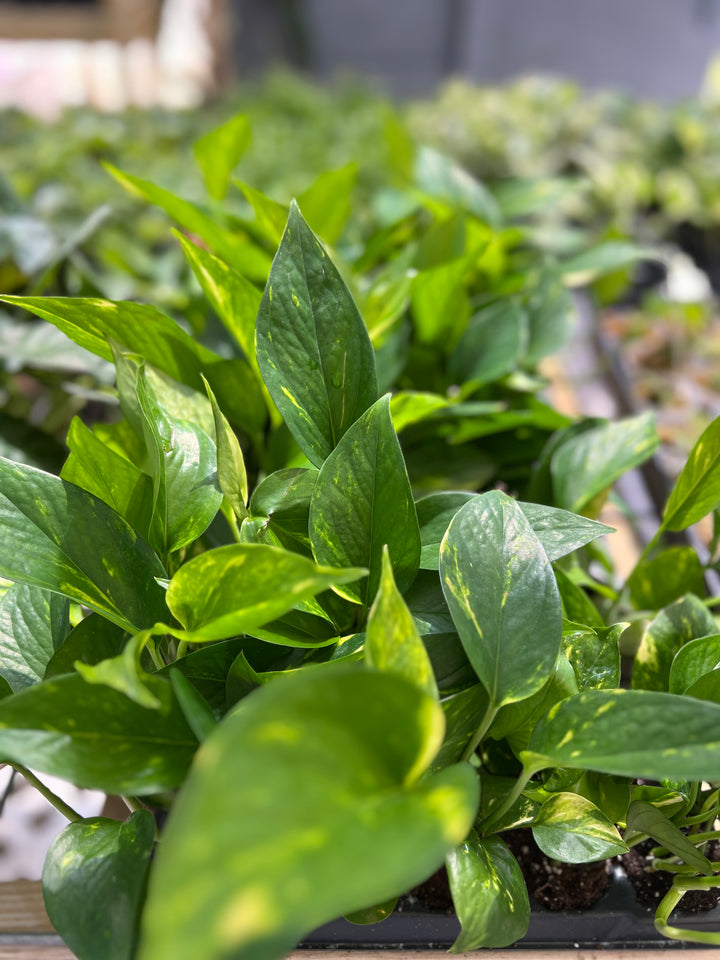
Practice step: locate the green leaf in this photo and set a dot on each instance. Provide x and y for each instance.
(630, 733)
(489, 894)
(325, 767)
(697, 490)
(694, 660)
(124, 672)
(270, 216)
(658, 582)
(95, 737)
(440, 303)
(313, 349)
(643, 817)
(409, 406)
(594, 655)
(60, 538)
(235, 589)
(550, 313)
(591, 462)
(361, 501)
(577, 605)
(94, 884)
(236, 249)
(282, 500)
(373, 914)
(491, 345)
(502, 595)
(183, 466)
(326, 203)
(392, 641)
(434, 514)
(142, 329)
(604, 258)
(441, 177)
(231, 473)
(706, 687)
(684, 620)
(92, 640)
(195, 707)
(113, 479)
(33, 624)
(571, 829)
(463, 711)
(219, 151)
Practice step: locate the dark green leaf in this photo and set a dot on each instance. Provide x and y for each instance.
(631, 733)
(571, 829)
(324, 767)
(312, 346)
(697, 490)
(231, 473)
(219, 151)
(694, 660)
(196, 709)
(577, 605)
(489, 893)
(33, 624)
(463, 713)
(643, 817)
(491, 345)
(586, 465)
(124, 672)
(235, 589)
(58, 537)
(362, 500)
(392, 642)
(96, 737)
(684, 620)
(94, 884)
(92, 640)
(656, 583)
(373, 914)
(594, 655)
(502, 595)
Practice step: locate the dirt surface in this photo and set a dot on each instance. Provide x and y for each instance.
(651, 885)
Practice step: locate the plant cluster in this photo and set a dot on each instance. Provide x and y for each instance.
(330, 591)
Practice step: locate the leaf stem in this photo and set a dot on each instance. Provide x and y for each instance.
(65, 809)
(133, 803)
(487, 719)
(486, 828)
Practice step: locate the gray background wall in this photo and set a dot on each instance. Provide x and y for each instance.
(651, 48)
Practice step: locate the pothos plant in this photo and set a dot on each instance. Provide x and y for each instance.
(314, 676)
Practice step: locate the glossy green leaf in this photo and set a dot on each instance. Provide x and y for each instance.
(441, 177)
(219, 151)
(325, 767)
(235, 589)
(697, 490)
(491, 345)
(577, 605)
(313, 349)
(361, 501)
(630, 733)
(592, 461)
(92, 640)
(489, 894)
(502, 595)
(706, 687)
(594, 655)
(270, 216)
(658, 582)
(571, 829)
(60, 538)
(236, 249)
(392, 642)
(196, 709)
(440, 303)
(232, 297)
(112, 478)
(684, 620)
(124, 672)
(326, 204)
(231, 473)
(183, 465)
(373, 914)
(94, 884)
(282, 500)
(96, 737)
(33, 624)
(643, 817)
(463, 712)
(145, 330)
(692, 661)
(610, 794)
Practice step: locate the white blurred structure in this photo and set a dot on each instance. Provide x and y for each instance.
(43, 76)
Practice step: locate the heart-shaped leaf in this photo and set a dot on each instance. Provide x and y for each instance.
(326, 769)
(684, 620)
(571, 829)
(33, 624)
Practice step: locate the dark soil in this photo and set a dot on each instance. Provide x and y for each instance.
(558, 886)
(651, 885)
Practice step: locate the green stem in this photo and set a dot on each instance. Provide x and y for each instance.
(182, 648)
(235, 529)
(480, 732)
(486, 828)
(133, 803)
(59, 804)
(154, 655)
